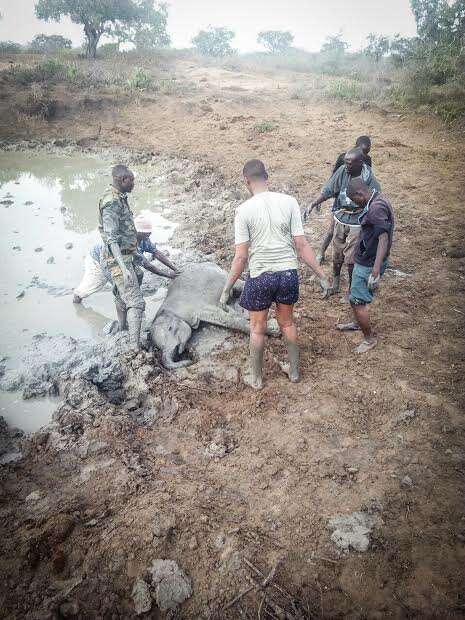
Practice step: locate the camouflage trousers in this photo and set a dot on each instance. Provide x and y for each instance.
(129, 296)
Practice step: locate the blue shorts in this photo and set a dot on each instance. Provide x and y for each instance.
(359, 293)
(272, 286)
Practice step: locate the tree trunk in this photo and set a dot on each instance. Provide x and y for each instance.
(93, 37)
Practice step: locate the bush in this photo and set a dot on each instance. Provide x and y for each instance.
(46, 71)
(108, 50)
(265, 127)
(49, 44)
(214, 42)
(140, 80)
(343, 89)
(10, 47)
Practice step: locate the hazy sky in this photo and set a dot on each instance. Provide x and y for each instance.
(309, 20)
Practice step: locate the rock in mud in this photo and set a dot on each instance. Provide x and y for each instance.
(50, 260)
(352, 532)
(28, 203)
(6, 203)
(10, 457)
(141, 597)
(39, 249)
(163, 525)
(405, 417)
(172, 585)
(68, 246)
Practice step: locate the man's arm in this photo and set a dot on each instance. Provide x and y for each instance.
(110, 221)
(237, 267)
(307, 255)
(164, 260)
(156, 271)
(329, 190)
(383, 242)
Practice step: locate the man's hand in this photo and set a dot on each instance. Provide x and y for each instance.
(373, 281)
(225, 295)
(325, 287)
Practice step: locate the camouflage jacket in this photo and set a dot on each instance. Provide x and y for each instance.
(116, 222)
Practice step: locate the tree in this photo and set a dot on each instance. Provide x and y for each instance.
(334, 45)
(96, 16)
(43, 43)
(147, 30)
(402, 50)
(214, 42)
(275, 41)
(439, 21)
(377, 46)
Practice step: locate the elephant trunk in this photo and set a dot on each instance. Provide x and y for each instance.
(167, 359)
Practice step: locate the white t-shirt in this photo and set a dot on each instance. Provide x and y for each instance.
(269, 221)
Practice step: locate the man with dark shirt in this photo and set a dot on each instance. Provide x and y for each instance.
(371, 256)
(345, 211)
(363, 143)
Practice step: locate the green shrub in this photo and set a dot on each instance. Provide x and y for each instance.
(348, 90)
(140, 80)
(265, 126)
(10, 47)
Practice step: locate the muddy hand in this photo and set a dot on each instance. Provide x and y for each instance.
(225, 295)
(373, 282)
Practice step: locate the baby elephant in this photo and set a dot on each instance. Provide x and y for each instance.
(193, 297)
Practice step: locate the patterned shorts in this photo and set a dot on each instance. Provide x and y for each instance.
(280, 287)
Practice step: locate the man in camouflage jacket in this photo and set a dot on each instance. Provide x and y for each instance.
(118, 232)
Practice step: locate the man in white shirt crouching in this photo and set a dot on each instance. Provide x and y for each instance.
(269, 234)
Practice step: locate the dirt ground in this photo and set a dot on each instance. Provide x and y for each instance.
(336, 443)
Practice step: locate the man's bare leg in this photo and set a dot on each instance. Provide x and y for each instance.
(350, 270)
(320, 257)
(257, 347)
(336, 286)
(363, 320)
(285, 318)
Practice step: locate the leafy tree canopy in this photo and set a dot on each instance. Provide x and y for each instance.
(97, 17)
(334, 45)
(43, 43)
(275, 41)
(214, 42)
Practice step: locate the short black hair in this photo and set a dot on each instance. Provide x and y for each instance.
(363, 140)
(357, 151)
(119, 171)
(255, 169)
(355, 185)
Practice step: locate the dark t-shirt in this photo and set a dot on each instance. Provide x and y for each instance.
(340, 161)
(377, 218)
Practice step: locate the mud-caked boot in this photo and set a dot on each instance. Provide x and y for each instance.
(134, 318)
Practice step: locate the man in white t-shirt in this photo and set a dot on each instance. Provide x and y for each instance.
(269, 234)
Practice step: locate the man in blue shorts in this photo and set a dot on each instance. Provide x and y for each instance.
(370, 256)
(269, 234)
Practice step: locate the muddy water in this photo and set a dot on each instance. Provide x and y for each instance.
(46, 203)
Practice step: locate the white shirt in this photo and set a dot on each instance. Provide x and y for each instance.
(269, 221)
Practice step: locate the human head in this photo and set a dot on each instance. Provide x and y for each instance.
(364, 143)
(359, 192)
(143, 227)
(255, 174)
(353, 160)
(123, 178)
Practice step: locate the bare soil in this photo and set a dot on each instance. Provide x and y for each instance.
(298, 454)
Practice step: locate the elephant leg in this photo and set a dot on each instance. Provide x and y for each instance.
(217, 316)
(233, 320)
